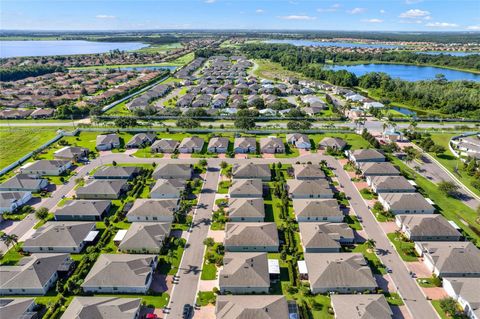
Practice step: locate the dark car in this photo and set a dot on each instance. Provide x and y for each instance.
(187, 311)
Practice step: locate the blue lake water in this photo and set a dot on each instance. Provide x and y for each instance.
(62, 47)
(332, 44)
(455, 53)
(407, 72)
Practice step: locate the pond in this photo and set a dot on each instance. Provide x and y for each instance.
(404, 111)
(332, 44)
(62, 47)
(407, 72)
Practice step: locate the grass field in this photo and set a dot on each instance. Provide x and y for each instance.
(17, 142)
(271, 70)
(405, 249)
(154, 48)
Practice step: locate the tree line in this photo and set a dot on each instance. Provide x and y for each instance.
(21, 72)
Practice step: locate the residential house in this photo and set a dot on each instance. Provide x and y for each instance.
(83, 210)
(299, 141)
(102, 189)
(42, 113)
(191, 145)
(244, 273)
(318, 210)
(32, 275)
(325, 237)
(450, 259)
(271, 145)
(71, 153)
(246, 188)
(153, 210)
(121, 273)
(465, 292)
(251, 171)
(107, 142)
(141, 140)
(253, 306)
(365, 155)
(117, 172)
(103, 308)
(339, 272)
(243, 145)
(246, 210)
(46, 167)
(218, 145)
(390, 184)
(308, 172)
(406, 203)
(427, 227)
(23, 183)
(173, 171)
(378, 169)
(166, 188)
(361, 307)
(335, 143)
(145, 238)
(10, 201)
(318, 188)
(18, 308)
(250, 237)
(164, 146)
(60, 237)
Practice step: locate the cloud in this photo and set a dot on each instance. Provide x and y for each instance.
(297, 17)
(356, 10)
(474, 27)
(259, 11)
(441, 25)
(412, 1)
(104, 16)
(373, 20)
(210, 1)
(332, 8)
(382, 11)
(415, 14)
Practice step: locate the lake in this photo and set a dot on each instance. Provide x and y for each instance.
(332, 44)
(62, 47)
(452, 53)
(407, 72)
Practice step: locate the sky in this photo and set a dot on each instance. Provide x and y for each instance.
(386, 15)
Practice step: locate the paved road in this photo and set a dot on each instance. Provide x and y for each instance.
(20, 229)
(415, 301)
(190, 267)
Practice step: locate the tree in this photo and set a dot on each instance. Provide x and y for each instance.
(223, 165)
(114, 163)
(209, 242)
(438, 149)
(245, 123)
(124, 122)
(370, 243)
(448, 188)
(42, 213)
(185, 122)
(298, 125)
(203, 162)
(9, 240)
(449, 305)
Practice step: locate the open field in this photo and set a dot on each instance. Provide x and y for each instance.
(154, 48)
(271, 70)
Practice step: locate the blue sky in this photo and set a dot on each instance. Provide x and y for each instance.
(388, 15)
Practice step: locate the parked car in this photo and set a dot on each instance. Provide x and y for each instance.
(151, 316)
(187, 311)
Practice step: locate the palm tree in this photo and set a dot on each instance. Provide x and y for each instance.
(10, 240)
(370, 243)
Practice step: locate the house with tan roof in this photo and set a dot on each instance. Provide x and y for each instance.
(71, 153)
(465, 292)
(246, 188)
(272, 145)
(308, 171)
(325, 237)
(46, 167)
(317, 210)
(405, 203)
(251, 306)
(191, 144)
(378, 169)
(244, 273)
(319, 188)
(173, 171)
(246, 210)
(218, 145)
(106, 142)
(18, 308)
(145, 238)
(365, 155)
(243, 145)
(335, 143)
(252, 171)
(23, 183)
(361, 307)
(251, 237)
(165, 146)
(153, 210)
(427, 227)
(103, 308)
(102, 189)
(166, 188)
(299, 140)
(390, 184)
(82, 210)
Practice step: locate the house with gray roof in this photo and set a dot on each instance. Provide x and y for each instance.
(191, 144)
(325, 237)
(145, 238)
(335, 143)
(46, 167)
(252, 171)
(246, 188)
(32, 275)
(318, 188)
(166, 188)
(390, 184)
(465, 292)
(71, 153)
(308, 171)
(60, 237)
(173, 171)
(378, 169)
(18, 308)
(153, 210)
(317, 210)
(427, 227)
(250, 237)
(23, 183)
(271, 145)
(121, 273)
(141, 140)
(165, 146)
(369, 306)
(218, 145)
(103, 308)
(253, 306)
(451, 258)
(246, 210)
(106, 142)
(117, 172)
(82, 210)
(10, 201)
(339, 272)
(244, 273)
(405, 203)
(299, 140)
(365, 155)
(102, 189)
(243, 145)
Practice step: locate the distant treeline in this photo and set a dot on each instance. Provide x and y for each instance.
(461, 98)
(21, 72)
(150, 40)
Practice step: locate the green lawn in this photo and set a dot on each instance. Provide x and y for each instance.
(12, 256)
(429, 282)
(157, 300)
(372, 259)
(206, 297)
(353, 222)
(441, 312)
(394, 299)
(209, 271)
(405, 249)
(154, 48)
(367, 194)
(223, 187)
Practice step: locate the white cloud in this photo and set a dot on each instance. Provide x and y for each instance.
(297, 17)
(442, 25)
(382, 11)
(259, 11)
(356, 10)
(412, 1)
(373, 20)
(474, 27)
(415, 14)
(210, 1)
(104, 16)
(332, 8)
